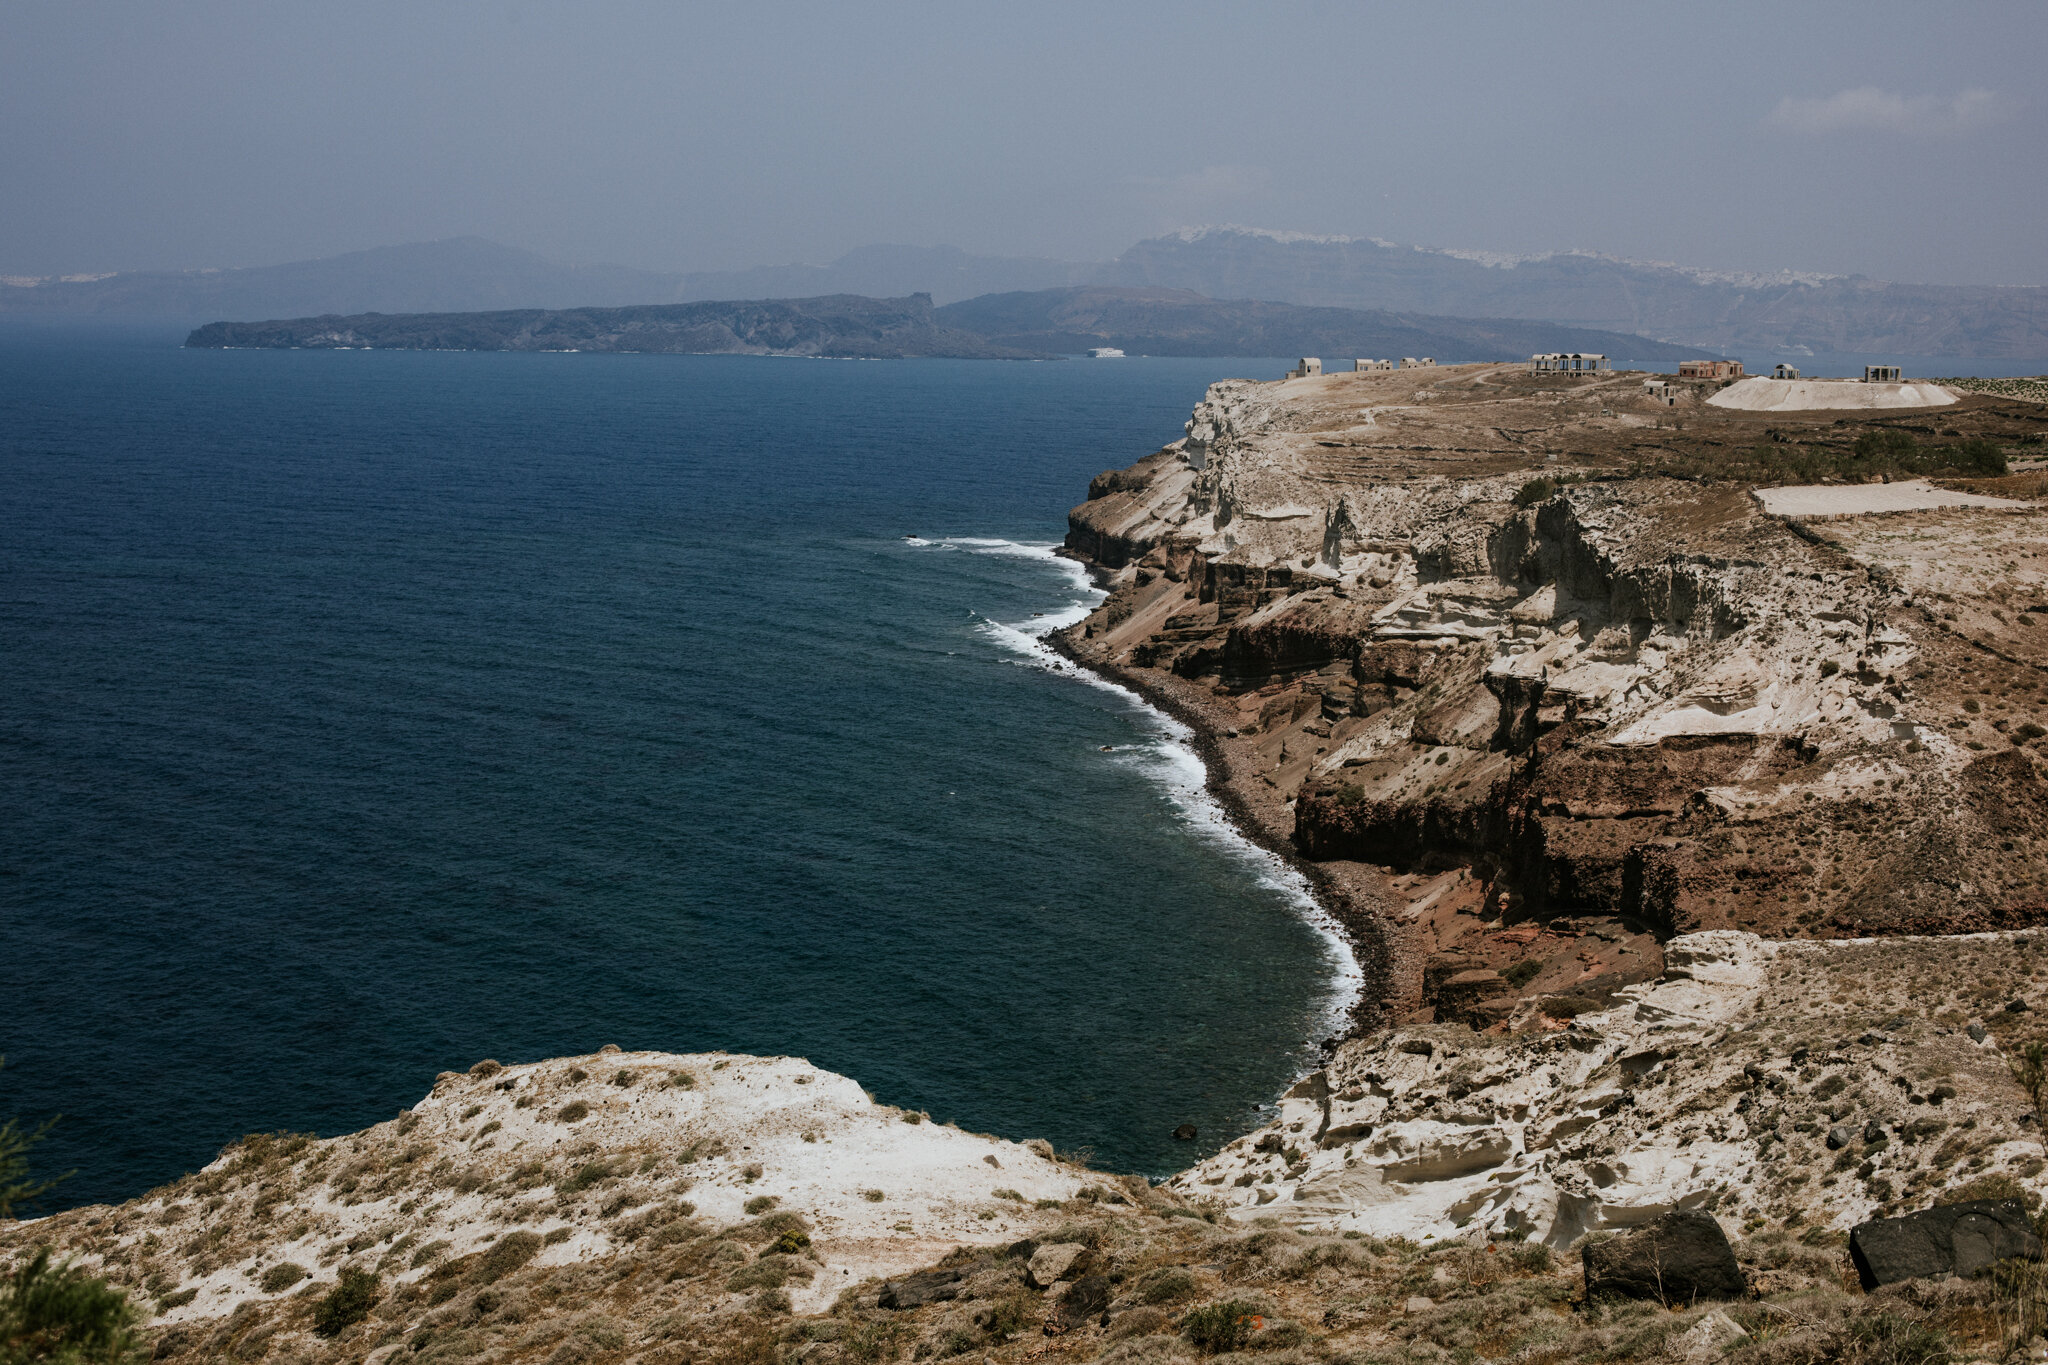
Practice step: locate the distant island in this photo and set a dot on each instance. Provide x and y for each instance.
(838, 325)
(1030, 325)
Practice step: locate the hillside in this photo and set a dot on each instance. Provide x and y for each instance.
(840, 325)
(1182, 322)
(471, 274)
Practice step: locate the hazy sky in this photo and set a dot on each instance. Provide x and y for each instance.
(1907, 141)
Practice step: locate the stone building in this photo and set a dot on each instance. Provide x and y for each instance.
(1409, 362)
(1710, 369)
(1361, 366)
(1568, 362)
(1783, 371)
(1308, 365)
(1881, 374)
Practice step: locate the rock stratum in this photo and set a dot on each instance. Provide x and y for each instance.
(1695, 848)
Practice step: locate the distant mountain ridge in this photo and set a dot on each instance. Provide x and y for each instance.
(1710, 310)
(1713, 309)
(473, 274)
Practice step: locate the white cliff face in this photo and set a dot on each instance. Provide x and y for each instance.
(1730, 1084)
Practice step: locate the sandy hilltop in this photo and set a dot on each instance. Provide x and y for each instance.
(1674, 761)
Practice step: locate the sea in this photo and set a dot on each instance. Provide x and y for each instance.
(367, 714)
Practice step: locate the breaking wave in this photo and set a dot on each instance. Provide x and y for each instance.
(1166, 756)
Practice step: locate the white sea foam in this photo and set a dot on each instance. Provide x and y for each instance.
(1167, 757)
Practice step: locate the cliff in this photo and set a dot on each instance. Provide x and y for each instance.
(1504, 657)
(839, 325)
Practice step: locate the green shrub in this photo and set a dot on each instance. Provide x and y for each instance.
(61, 1314)
(1535, 491)
(347, 1304)
(876, 1197)
(1221, 1327)
(1898, 1341)
(590, 1173)
(1169, 1285)
(507, 1254)
(791, 1241)
(1522, 973)
(574, 1112)
(760, 1204)
(557, 1236)
(281, 1277)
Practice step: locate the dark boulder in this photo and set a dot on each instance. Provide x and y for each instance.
(1184, 1133)
(1682, 1257)
(1085, 1301)
(915, 1291)
(1949, 1239)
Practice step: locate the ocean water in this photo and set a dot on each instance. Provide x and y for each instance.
(366, 714)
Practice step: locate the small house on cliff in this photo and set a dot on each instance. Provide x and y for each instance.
(1568, 362)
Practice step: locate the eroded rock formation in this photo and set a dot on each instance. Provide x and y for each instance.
(1516, 671)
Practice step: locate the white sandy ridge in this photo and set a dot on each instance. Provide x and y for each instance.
(1759, 394)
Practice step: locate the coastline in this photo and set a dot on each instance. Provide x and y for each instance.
(1350, 898)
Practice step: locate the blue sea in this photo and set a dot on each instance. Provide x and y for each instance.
(366, 714)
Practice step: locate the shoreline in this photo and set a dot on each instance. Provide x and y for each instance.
(1355, 906)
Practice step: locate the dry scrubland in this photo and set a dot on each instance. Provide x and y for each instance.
(449, 1235)
(729, 1218)
(2034, 390)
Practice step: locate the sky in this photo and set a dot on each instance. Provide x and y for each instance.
(1902, 141)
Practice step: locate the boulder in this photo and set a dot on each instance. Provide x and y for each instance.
(1681, 1257)
(915, 1291)
(1839, 1136)
(1086, 1300)
(1052, 1263)
(1712, 1337)
(1949, 1239)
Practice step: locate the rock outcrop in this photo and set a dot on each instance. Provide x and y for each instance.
(1954, 1239)
(1682, 1257)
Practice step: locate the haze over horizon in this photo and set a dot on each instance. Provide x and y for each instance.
(1839, 139)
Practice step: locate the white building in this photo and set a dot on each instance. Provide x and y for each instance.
(1568, 362)
(1308, 366)
(1660, 391)
(1783, 371)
